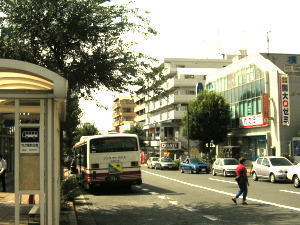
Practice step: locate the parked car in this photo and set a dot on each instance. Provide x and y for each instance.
(293, 174)
(225, 166)
(271, 167)
(165, 163)
(193, 165)
(151, 162)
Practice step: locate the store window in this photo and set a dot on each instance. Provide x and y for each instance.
(254, 106)
(249, 107)
(258, 105)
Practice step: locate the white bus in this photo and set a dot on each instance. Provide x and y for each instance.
(108, 159)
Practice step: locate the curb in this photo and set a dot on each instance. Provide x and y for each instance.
(82, 210)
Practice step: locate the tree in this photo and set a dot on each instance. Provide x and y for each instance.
(85, 41)
(72, 122)
(138, 130)
(207, 119)
(85, 129)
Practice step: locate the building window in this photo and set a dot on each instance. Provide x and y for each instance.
(190, 92)
(188, 76)
(126, 110)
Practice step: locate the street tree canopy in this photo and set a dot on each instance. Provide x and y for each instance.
(85, 129)
(208, 119)
(138, 130)
(85, 41)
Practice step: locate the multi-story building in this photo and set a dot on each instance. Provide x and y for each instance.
(264, 96)
(123, 113)
(163, 115)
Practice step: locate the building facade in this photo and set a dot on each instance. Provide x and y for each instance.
(162, 116)
(263, 92)
(123, 113)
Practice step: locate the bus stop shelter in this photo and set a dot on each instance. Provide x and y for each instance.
(32, 106)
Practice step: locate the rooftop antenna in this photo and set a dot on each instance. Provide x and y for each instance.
(220, 50)
(268, 41)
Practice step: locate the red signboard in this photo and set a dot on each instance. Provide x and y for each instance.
(265, 107)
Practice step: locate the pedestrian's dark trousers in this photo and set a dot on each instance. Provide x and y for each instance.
(2, 179)
(243, 190)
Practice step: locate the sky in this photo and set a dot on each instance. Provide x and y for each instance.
(206, 29)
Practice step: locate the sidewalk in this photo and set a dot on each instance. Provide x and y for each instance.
(7, 207)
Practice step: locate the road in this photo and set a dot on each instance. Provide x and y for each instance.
(169, 197)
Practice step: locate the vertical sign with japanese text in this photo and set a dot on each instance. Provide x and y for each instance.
(30, 140)
(265, 107)
(284, 100)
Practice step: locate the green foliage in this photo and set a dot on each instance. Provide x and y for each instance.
(138, 130)
(85, 129)
(69, 189)
(72, 121)
(207, 119)
(177, 162)
(86, 42)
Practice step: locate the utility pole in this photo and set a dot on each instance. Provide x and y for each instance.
(268, 41)
(188, 129)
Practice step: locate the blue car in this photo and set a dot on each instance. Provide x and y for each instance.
(193, 165)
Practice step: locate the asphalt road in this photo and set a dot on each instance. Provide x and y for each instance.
(169, 197)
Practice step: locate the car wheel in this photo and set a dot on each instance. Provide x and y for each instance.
(254, 176)
(272, 178)
(296, 181)
(224, 173)
(182, 170)
(214, 172)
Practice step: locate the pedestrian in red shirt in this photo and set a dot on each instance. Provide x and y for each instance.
(242, 180)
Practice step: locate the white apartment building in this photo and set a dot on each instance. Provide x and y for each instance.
(162, 117)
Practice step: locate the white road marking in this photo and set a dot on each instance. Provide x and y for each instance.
(161, 197)
(223, 192)
(153, 193)
(213, 218)
(189, 209)
(139, 187)
(293, 192)
(225, 181)
(145, 189)
(173, 202)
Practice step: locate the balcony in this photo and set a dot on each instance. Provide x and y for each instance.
(139, 107)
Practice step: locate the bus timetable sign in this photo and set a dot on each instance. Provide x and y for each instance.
(30, 140)
(170, 145)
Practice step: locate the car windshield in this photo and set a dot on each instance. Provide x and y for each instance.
(231, 162)
(154, 159)
(280, 162)
(166, 160)
(196, 161)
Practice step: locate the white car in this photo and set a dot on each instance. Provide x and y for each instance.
(293, 174)
(225, 166)
(152, 161)
(165, 163)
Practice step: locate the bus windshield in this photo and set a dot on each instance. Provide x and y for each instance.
(113, 144)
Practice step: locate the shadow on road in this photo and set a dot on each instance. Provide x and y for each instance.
(202, 213)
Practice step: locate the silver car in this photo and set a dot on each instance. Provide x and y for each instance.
(165, 163)
(293, 174)
(225, 166)
(152, 161)
(271, 167)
